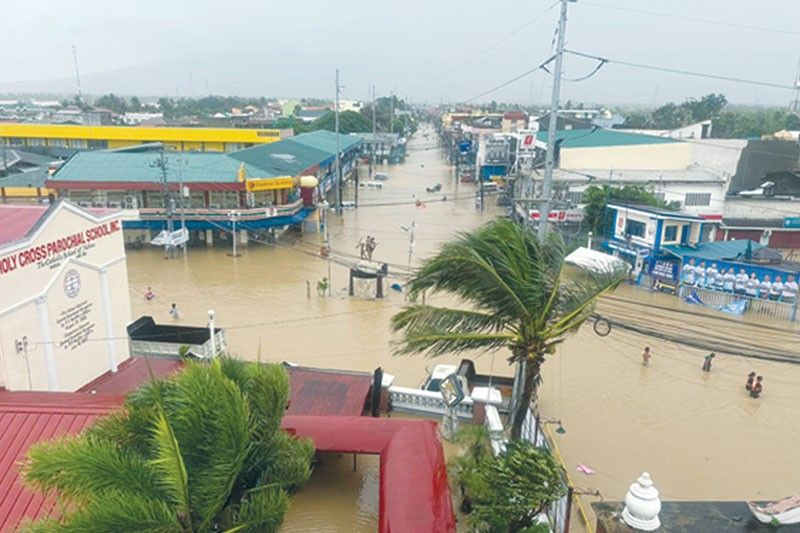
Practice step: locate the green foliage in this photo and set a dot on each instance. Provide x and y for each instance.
(349, 122)
(506, 492)
(597, 217)
(111, 101)
(201, 451)
(519, 296)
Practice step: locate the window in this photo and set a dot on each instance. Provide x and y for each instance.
(697, 199)
(634, 228)
(575, 197)
(671, 234)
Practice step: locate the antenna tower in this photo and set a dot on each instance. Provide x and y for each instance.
(77, 72)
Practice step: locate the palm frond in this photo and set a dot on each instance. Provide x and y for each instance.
(260, 512)
(117, 512)
(490, 266)
(86, 467)
(422, 317)
(169, 463)
(436, 343)
(576, 299)
(283, 461)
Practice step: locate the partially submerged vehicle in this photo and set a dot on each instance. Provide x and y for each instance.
(380, 176)
(434, 188)
(371, 185)
(147, 338)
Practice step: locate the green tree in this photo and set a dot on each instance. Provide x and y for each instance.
(349, 122)
(111, 101)
(520, 296)
(135, 104)
(506, 492)
(199, 452)
(596, 214)
(707, 107)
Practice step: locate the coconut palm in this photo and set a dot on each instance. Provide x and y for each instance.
(518, 296)
(200, 451)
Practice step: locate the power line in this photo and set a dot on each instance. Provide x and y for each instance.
(491, 47)
(681, 71)
(512, 80)
(692, 19)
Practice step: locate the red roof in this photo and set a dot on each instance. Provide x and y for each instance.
(316, 391)
(17, 220)
(414, 491)
(29, 417)
(130, 374)
(515, 115)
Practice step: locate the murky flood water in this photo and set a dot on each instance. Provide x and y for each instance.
(698, 434)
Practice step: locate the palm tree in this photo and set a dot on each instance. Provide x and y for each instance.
(519, 295)
(201, 451)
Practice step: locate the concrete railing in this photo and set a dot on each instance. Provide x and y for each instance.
(172, 349)
(418, 401)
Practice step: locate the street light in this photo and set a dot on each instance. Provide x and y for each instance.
(234, 216)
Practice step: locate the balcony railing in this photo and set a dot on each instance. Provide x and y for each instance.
(224, 215)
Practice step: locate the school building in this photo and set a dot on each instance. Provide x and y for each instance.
(111, 137)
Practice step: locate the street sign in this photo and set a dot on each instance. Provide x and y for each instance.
(560, 215)
(791, 222)
(464, 146)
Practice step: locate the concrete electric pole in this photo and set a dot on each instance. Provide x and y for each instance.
(547, 183)
(337, 168)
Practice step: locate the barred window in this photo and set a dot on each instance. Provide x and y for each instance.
(697, 199)
(575, 197)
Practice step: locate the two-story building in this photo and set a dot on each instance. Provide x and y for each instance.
(639, 234)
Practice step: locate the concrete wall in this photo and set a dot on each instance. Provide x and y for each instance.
(670, 156)
(73, 318)
(761, 208)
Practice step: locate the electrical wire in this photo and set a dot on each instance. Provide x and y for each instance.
(691, 19)
(680, 71)
(540, 66)
(489, 48)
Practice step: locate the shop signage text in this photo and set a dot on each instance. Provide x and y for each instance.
(42, 252)
(269, 184)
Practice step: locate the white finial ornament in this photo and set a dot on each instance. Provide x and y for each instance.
(642, 505)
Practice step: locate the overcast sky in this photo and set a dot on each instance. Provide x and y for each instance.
(291, 48)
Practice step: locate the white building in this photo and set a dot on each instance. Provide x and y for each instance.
(65, 302)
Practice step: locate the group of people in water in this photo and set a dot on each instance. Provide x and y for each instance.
(754, 384)
(150, 295)
(720, 279)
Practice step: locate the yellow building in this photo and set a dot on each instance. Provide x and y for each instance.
(109, 137)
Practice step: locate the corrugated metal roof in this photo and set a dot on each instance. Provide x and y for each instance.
(283, 158)
(717, 250)
(598, 137)
(316, 391)
(326, 141)
(191, 167)
(130, 374)
(17, 220)
(30, 417)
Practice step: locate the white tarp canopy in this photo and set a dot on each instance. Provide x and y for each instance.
(595, 261)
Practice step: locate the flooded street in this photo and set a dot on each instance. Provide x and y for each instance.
(698, 434)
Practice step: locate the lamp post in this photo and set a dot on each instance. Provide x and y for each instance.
(234, 216)
(211, 332)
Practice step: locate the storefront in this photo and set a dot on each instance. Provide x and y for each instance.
(65, 301)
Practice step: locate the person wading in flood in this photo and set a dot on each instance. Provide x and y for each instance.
(758, 388)
(646, 355)
(174, 313)
(751, 378)
(707, 362)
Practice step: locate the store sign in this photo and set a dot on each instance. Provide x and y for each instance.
(269, 184)
(560, 215)
(52, 253)
(527, 143)
(667, 270)
(791, 222)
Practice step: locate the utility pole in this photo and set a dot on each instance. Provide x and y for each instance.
(374, 134)
(161, 163)
(77, 73)
(794, 106)
(338, 168)
(391, 117)
(180, 203)
(547, 183)
(327, 245)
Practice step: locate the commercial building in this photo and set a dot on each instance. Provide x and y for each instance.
(384, 147)
(110, 137)
(257, 188)
(65, 302)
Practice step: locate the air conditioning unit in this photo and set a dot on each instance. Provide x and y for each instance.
(130, 202)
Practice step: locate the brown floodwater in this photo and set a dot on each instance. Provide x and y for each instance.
(698, 434)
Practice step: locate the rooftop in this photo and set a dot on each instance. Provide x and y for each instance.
(598, 137)
(130, 374)
(717, 250)
(593, 176)
(655, 211)
(16, 221)
(316, 391)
